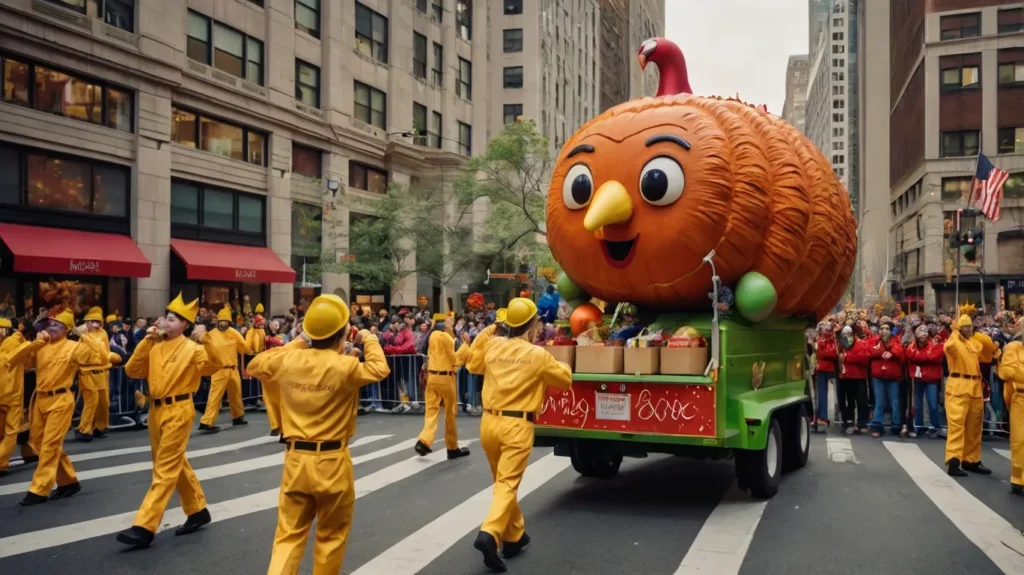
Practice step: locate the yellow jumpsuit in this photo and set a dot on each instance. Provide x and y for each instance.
(964, 404)
(94, 385)
(227, 345)
(173, 369)
(1011, 371)
(516, 373)
(56, 364)
(318, 399)
(442, 363)
(255, 344)
(12, 390)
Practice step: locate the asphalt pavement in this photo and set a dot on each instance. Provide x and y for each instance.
(861, 505)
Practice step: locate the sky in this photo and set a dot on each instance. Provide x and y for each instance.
(738, 45)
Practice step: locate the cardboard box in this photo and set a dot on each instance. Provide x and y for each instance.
(563, 353)
(641, 360)
(684, 360)
(598, 359)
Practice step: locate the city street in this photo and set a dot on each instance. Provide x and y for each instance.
(860, 505)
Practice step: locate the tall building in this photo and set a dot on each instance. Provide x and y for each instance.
(625, 25)
(794, 109)
(955, 89)
(195, 146)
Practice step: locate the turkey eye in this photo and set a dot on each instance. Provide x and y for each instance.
(662, 181)
(578, 187)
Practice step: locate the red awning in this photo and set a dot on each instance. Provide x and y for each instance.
(231, 263)
(60, 251)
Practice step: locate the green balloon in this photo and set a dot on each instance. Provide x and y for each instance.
(755, 296)
(569, 290)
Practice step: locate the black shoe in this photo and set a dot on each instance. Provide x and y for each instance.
(510, 549)
(209, 428)
(137, 537)
(4, 472)
(422, 448)
(32, 499)
(194, 522)
(30, 459)
(977, 468)
(83, 437)
(66, 491)
(275, 432)
(99, 433)
(1016, 489)
(486, 544)
(457, 453)
(239, 421)
(954, 468)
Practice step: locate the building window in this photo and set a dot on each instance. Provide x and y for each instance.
(119, 14)
(307, 83)
(257, 2)
(232, 52)
(307, 17)
(434, 137)
(50, 181)
(465, 139)
(954, 189)
(307, 234)
(371, 33)
(367, 178)
(959, 78)
(307, 161)
(513, 77)
(437, 72)
(72, 96)
(436, 12)
(421, 6)
(464, 19)
(512, 113)
(419, 55)
(956, 144)
(193, 130)
(513, 39)
(1011, 140)
(419, 124)
(1014, 186)
(464, 85)
(371, 105)
(960, 26)
(513, 7)
(1011, 73)
(1011, 20)
(197, 206)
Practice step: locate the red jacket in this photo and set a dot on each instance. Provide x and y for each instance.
(925, 363)
(826, 354)
(855, 361)
(892, 368)
(404, 343)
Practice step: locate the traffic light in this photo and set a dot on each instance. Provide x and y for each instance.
(970, 242)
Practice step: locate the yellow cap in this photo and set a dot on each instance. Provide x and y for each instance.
(95, 314)
(259, 308)
(224, 314)
(440, 316)
(110, 318)
(326, 315)
(501, 314)
(964, 321)
(67, 318)
(4, 322)
(520, 312)
(186, 311)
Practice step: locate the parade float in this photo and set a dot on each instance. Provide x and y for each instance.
(699, 237)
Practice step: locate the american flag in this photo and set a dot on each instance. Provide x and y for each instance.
(987, 188)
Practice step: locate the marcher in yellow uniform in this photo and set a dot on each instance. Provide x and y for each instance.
(964, 404)
(229, 344)
(12, 386)
(1011, 371)
(173, 365)
(57, 359)
(94, 383)
(255, 343)
(516, 373)
(318, 399)
(442, 363)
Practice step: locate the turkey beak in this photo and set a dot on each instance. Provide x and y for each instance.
(611, 205)
(643, 61)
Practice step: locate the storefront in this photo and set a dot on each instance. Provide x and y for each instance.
(1012, 294)
(970, 292)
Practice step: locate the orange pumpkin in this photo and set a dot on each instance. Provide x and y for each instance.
(583, 316)
(642, 193)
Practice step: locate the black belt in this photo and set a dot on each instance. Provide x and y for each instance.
(432, 372)
(527, 415)
(320, 446)
(169, 400)
(230, 367)
(964, 376)
(54, 392)
(95, 371)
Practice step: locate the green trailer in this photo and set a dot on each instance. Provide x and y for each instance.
(753, 404)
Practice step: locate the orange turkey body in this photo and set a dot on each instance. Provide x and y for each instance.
(751, 187)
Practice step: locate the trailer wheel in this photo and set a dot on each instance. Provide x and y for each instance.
(797, 440)
(761, 469)
(595, 463)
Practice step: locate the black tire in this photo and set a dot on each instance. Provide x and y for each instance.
(797, 440)
(755, 465)
(595, 463)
